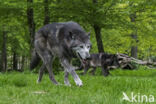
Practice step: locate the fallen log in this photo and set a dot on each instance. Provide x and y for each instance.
(126, 61)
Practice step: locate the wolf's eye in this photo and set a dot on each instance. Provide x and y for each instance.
(88, 46)
(81, 46)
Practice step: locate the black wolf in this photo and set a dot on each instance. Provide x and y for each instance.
(103, 60)
(64, 40)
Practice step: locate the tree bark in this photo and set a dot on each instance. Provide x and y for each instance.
(95, 1)
(125, 60)
(97, 30)
(134, 48)
(1, 61)
(31, 23)
(23, 61)
(15, 60)
(46, 12)
(4, 52)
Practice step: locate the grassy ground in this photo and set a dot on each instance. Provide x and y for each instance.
(21, 88)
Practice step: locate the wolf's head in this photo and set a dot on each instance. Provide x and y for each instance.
(79, 43)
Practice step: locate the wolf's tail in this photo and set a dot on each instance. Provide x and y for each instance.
(34, 60)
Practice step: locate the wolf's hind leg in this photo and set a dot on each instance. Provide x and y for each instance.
(66, 80)
(48, 63)
(41, 71)
(45, 55)
(47, 60)
(105, 70)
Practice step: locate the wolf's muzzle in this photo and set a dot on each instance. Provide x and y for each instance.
(88, 57)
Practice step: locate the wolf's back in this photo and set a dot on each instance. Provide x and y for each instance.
(34, 60)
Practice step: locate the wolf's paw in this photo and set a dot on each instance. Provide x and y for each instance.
(79, 83)
(38, 81)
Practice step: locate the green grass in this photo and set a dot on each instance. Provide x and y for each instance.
(21, 88)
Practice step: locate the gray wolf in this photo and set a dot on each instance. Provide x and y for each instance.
(63, 40)
(103, 60)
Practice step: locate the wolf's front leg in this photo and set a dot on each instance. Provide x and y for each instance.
(70, 69)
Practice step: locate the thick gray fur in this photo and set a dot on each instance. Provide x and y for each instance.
(64, 40)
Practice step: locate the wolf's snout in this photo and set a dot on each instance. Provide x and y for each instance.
(88, 56)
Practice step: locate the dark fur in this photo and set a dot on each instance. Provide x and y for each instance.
(103, 60)
(35, 60)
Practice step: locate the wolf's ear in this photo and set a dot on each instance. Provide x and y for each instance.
(71, 35)
(88, 34)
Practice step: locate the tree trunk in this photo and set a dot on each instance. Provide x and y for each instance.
(4, 52)
(97, 30)
(46, 12)
(134, 48)
(15, 61)
(95, 1)
(31, 23)
(1, 61)
(23, 61)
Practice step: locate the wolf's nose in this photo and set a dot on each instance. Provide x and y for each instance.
(88, 57)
